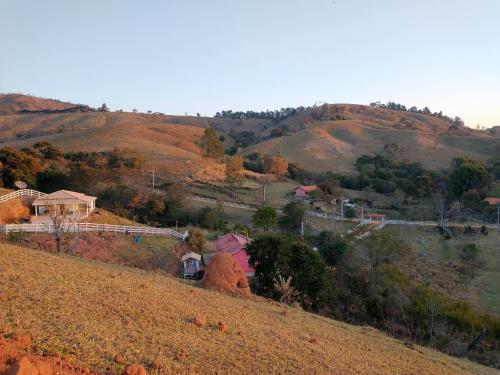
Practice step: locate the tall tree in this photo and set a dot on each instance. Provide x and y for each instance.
(293, 216)
(210, 144)
(276, 165)
(468, 174)
(264, 218)
(234, 172)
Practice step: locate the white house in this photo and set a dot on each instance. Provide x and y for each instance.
(64, 202)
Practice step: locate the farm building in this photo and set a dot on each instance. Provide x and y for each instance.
(234, 244)
(375, 217)
(304, 191)
(65, 202)
(191, 265)
(492, 201)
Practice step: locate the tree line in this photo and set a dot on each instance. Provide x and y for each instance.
(426, 111)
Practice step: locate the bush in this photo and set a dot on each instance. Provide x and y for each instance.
(470, 252)
(350, 213)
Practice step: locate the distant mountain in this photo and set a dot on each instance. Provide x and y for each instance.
(14, 103)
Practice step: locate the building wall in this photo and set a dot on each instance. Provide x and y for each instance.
(241, 257)
(300, 193)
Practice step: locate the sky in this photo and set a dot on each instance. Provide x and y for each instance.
(202, 56)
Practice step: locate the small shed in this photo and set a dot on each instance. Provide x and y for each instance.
(191, 265)
(375, 217)
(304, 191)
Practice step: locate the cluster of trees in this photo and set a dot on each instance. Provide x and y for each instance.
(385, 175)
(275, 116)
(426, 111)
(46, 168)
(363, 284)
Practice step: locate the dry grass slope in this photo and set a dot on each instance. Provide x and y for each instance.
(94, 311)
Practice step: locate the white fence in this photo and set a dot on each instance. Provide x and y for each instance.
(91, 227)
(21, 194)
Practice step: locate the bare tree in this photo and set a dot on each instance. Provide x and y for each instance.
(61, 224)
(289, 295)
(265, 180)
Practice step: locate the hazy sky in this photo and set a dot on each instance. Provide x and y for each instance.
(179, 56)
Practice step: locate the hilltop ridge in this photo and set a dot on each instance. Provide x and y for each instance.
(330, 137)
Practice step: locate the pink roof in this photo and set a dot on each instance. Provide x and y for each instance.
(231, 243)
(375, 215)
(307, 189)
(493, 201)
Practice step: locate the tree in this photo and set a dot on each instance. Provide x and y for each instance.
(470, 252)
(234, 172)
(210, 144)
(293, 216)
(331, 247)
(196, 241)
(276, 165)
(276, 256)
(60, 225)
(48, 151)
(269, 255)
(264, 218)
(51, 180)
(468, 174)
(103, 108)
(265, 180)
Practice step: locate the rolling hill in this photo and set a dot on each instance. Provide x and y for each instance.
(329, 143)
(92, 312)
(329, 137)
(12, 103)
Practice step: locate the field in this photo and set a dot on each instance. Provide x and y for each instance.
(93, 311)
(435, 261)
(277, 194)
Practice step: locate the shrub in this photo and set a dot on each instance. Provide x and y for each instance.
(470, 252)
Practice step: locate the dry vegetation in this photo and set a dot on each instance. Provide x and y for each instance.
(14, 209)
(332, 144)
(12, 103)
(94, 312)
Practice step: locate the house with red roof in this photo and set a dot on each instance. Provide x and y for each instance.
(304, 191)
(234, 244)
(493, 201)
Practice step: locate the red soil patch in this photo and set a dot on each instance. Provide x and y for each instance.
(226, 275)
(15, 209)
(16, 359)
(103, 247)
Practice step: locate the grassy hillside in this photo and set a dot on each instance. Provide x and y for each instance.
(331, 144)
(437, 261)
(12, 103)
(330, 137)
(93, 311)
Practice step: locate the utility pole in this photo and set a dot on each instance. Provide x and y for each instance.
(333, 215)
(342, 209)
(154, 178)
(302, 228)
(363, 211)
(498, 218)
(264, 192)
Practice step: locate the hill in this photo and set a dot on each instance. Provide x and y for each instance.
(13, 103)
(330, 137)
(93, 311)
